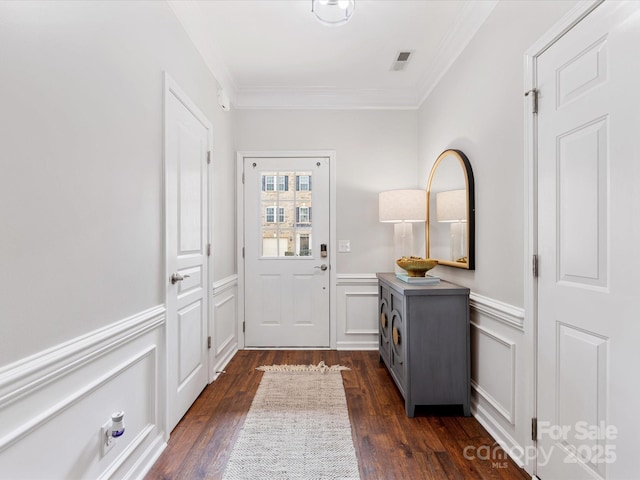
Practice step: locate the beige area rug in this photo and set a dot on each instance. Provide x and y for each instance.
(297, 428)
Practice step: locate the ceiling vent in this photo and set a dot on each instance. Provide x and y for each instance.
(401, 61)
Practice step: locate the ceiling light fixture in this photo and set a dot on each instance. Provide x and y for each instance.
(333, 12)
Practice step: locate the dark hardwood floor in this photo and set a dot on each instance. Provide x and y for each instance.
(389, 445)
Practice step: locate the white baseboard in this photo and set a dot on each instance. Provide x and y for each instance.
(364, 346)
(223, 362)
(142, 466)
(501, 436)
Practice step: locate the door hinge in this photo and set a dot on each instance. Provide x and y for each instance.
(534, 94)
(534, 429)
(208, 249)
(208, 342)
(209, 156)
(243, 178)
(242, 252)
(534, 265)
(243, 326)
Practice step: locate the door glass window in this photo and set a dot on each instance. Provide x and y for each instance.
(287, 214)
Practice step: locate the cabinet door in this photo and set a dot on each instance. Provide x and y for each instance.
(384, 324)
(398, 339)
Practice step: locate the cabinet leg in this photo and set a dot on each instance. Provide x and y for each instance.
(410, 408)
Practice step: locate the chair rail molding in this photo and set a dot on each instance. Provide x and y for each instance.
(31, 373)
(356, 279)
(497, 310)
(223, 284)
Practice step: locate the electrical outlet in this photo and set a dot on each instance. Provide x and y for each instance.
(107, 442)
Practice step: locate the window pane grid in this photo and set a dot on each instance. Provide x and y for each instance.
(286, 220)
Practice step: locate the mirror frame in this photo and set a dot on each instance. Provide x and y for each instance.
(471, 223)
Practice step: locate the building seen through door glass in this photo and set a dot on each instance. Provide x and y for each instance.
(286, 214)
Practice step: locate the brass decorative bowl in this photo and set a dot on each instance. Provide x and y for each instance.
(416, 266)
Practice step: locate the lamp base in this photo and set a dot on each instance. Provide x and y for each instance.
(403, 242)
(458, 241)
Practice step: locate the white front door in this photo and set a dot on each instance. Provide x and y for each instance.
(187, 141)
(588, 234)
(286, 269)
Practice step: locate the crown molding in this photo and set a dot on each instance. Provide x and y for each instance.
(324, 98)
(191, 17)
(474, 16)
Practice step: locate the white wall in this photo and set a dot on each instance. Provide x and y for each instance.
(81, 210)
(479, 107)
(81, 184)
(375, 151)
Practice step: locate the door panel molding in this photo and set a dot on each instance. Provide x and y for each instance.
(579, 349)
(188, 139)
(530, 314)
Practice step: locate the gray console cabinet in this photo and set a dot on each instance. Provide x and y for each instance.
(424, 341)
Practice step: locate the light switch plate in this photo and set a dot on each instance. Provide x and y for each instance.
(344, 246)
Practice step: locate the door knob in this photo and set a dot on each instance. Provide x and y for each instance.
(322, 267)
(176, 277)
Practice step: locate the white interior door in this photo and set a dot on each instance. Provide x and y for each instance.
(187, 141)
(589, 230)
(286, 215)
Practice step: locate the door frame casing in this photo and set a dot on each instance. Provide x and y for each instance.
(171, 87)
(331, 156)
(564, 25)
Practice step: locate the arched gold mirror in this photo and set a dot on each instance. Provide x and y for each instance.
(450, 233)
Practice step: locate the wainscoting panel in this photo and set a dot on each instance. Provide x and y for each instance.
(53, 404)
(501, 373)
(223, 326)
(357, 307)
(493, 372)
(360, 309)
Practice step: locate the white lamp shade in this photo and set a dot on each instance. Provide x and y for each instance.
(451, 206)
(402, 206)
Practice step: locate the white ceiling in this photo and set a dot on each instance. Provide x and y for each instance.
(275, 54)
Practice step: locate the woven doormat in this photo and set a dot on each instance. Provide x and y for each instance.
(297, 428)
